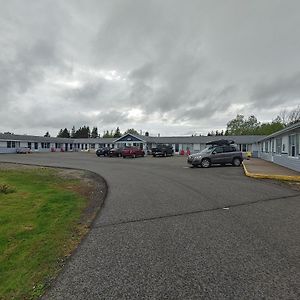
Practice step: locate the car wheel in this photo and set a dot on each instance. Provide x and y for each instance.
(236, 162)
(205, 163)
(124, 156)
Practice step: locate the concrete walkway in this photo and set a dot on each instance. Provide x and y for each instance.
(259, 168)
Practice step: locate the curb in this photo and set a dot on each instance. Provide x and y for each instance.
(269, 176)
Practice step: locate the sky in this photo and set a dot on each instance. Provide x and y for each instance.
(167, 67)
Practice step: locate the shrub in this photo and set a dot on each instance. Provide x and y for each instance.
(6, 189)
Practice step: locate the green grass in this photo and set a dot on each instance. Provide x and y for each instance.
(38, 228)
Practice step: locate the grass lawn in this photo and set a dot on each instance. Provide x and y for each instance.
(39, 227)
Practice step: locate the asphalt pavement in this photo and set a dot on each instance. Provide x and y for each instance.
(167, 231)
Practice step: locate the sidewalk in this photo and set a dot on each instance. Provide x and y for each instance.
(259, 168)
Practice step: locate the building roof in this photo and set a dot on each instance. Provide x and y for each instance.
(282, 131)
(33, 138)
(95, 141)
(244, 139)
(131, 137)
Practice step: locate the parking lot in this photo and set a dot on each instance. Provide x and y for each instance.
(168, 231)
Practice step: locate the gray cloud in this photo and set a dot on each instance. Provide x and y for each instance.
(162, 66)
(279, 91)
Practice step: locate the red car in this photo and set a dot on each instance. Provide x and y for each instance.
(132, 152)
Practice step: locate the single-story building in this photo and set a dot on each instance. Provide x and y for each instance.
(9, 143)
(282, 147)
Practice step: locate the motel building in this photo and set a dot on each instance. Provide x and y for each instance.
(281, 147)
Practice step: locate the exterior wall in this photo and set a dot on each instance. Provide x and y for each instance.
(278, 150)
(58, 145)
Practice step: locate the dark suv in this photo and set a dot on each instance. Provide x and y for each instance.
(102, 151)
(162, 150)
(216, 154)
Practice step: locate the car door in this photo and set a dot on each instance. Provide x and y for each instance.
(217, 155)
(227, 156)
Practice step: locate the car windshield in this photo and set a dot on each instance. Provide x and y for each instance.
(207, 150)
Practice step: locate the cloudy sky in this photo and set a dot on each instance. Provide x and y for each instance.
(168, 67)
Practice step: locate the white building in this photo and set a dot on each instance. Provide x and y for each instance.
(282, 147)
(10, 143)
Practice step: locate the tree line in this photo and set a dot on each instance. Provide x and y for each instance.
(241, 125)
(86, 132)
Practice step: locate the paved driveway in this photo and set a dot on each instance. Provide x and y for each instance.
(170, 232)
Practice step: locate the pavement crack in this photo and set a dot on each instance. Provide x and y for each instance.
(227, 207)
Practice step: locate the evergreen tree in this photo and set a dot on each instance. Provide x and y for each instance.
(94, 132)
(64, 133)
(106, 134)
(60, 133)
(47, 134)
(132, 131)
(73, 132)
(117, 133)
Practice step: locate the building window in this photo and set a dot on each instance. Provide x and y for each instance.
(36, 146)
(267, 146)
(13, 144)
(278, 145)
(292, 145)
(92, 146)
(29, 145)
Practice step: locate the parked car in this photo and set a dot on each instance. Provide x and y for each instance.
(102, 151)
(115, 152)
(23, 150)
(216, 154)
(162, 150)
(132, 152)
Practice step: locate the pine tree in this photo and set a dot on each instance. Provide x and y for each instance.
(117, 133)
(60, 133)
(73, 132)
(94, 132)
(47, 134)
(132, 131)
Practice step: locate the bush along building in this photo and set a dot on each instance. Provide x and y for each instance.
(282, 147)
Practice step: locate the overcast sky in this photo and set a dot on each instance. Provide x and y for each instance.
(168, 67)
